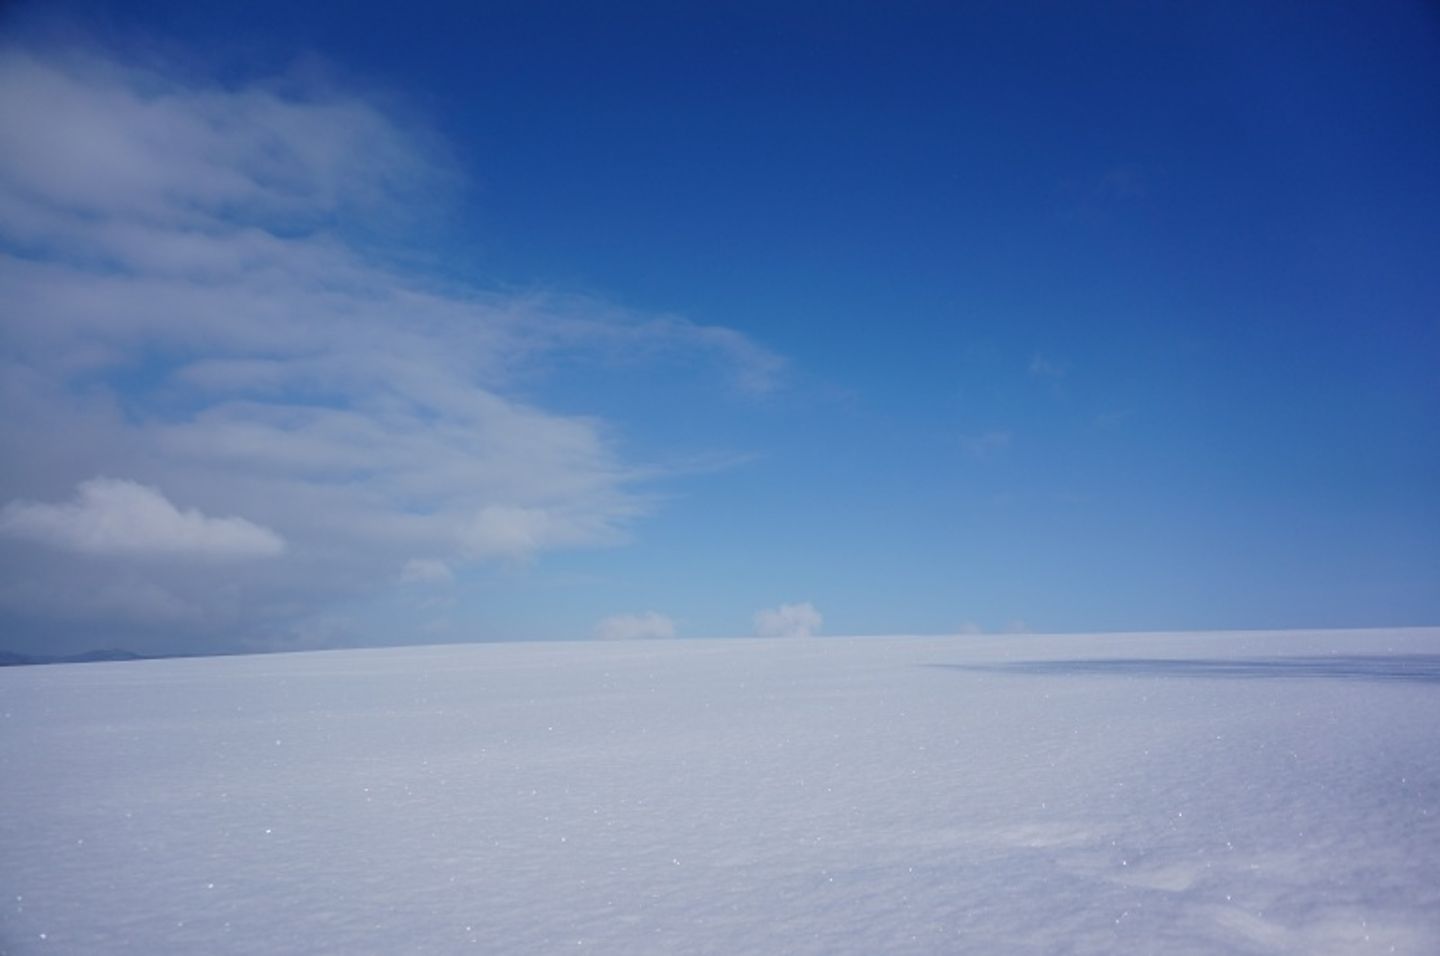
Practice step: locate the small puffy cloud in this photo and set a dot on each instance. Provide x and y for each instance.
(631, 627)
(116, 517)
(788, 620)
(426, 571)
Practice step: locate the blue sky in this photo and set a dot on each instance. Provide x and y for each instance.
(375, 324)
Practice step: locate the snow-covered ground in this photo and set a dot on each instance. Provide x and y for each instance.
(1196, 793)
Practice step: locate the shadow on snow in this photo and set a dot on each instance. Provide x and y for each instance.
(1408, 668)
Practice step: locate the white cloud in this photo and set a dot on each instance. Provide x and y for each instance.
(788, 620)
(630, 627)
(115, 142)
(519, 533)
(117, 517)
(426, 571)
(195, 297)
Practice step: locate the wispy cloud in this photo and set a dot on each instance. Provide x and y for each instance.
(788, 620)
(1046, 369)
(1113, 419)
(986, 446)
(649, 625)
(426, 571)
(196, 301)
(1051, 372)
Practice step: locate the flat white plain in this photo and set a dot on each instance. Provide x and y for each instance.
(1261, 792)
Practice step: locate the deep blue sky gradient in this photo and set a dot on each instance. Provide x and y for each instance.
(1120, 316)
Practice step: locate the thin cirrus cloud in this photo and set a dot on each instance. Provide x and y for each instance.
(112, 517)
(789, 620)
(986, 446)
(188, 304)
(1049, 369)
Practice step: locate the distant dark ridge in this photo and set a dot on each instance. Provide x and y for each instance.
(105, 654)
(11, 659)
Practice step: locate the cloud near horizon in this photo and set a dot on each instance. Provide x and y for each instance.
(651, 625)
(196, 299)
(112, 517)
(788, 620)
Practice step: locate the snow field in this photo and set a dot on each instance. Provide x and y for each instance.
(1178, 793)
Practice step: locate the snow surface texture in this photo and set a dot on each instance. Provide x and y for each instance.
(1217, 793)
